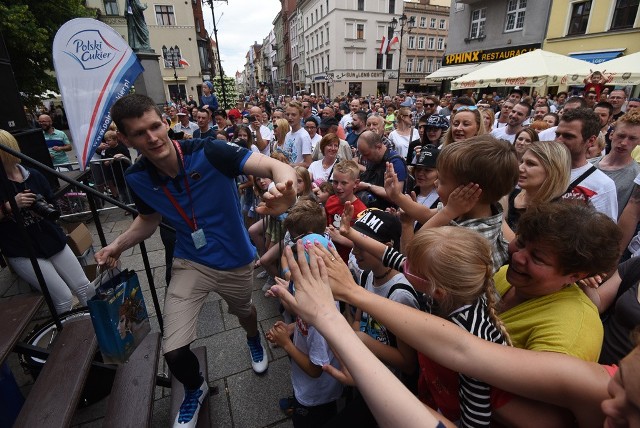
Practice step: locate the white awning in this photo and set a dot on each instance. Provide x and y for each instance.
(454, 71)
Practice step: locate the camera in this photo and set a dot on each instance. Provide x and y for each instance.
(252, 119)
(41, 207)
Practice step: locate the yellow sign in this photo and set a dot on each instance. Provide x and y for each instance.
(488, 55)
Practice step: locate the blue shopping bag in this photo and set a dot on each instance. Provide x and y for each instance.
(119, 316)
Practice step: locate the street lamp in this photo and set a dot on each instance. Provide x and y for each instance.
(394, 24)
(173, 53)
(215, 35)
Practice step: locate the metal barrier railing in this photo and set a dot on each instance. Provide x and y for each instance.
(103, 175)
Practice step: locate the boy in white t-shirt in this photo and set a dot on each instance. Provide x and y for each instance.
(315, 392)
(297, 141)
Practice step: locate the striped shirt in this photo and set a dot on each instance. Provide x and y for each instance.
(474, 395)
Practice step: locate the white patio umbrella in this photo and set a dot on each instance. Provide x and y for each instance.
(620, 71)
(536, 68)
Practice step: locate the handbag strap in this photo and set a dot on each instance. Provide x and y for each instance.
(579, 180)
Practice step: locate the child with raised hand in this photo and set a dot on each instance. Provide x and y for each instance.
(464, 295)
(473, 175)
(345, 178)
(315, 392)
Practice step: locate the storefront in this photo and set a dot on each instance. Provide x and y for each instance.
(458, 64)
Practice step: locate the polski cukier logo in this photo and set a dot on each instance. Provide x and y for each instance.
(90, 49)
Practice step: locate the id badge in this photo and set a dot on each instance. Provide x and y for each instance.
(199, 240)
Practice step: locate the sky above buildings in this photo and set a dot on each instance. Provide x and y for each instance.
(240, 23)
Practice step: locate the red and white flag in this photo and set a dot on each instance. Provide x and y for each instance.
(392, 42)
(184, 62)
(384, 46)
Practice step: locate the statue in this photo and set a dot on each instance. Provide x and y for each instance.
(136, 26)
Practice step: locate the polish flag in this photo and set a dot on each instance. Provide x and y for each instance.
(184, 62)
(392, 42)
(384, 46)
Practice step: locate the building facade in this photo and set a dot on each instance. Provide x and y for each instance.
(594, 31)
(171, 25)
(342, 40)
(486, 31)
(424, 44)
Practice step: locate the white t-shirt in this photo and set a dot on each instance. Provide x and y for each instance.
(402, 141)
(346, 121)
(313, 391)
(501, 134)
(297, 144)
(314, 141)
(267, 136)
(605, 199)
(373, 328)
(548, 134)
(318, 172)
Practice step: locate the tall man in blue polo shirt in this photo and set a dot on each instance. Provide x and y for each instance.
(191, 184)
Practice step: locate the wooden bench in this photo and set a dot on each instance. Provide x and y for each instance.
(131, 399)
(15, 314)
(55, 394)
(177, 392)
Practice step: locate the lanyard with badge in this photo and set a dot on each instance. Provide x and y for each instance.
(197, 235)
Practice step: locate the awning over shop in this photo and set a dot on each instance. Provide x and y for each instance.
(597, 57)
(454, 71)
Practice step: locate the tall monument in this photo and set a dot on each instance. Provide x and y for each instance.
(150, 81)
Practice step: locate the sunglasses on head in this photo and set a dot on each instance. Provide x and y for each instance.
(467, 108)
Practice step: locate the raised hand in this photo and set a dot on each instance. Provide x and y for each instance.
(345, 221)
(278, 199)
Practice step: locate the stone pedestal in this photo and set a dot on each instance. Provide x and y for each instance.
(150, 82)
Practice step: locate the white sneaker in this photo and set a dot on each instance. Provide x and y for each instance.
(268, 283)
(193, 399)
(259, 359)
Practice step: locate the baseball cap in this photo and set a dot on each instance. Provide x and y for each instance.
(428, 156)
(328, 122)
(437, 121)
(379, 225)
(183, 112)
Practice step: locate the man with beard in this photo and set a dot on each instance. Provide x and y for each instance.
(57, 142)
(358, 125)
(518, 115)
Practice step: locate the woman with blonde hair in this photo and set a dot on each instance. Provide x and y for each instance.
(488, 116)
(404, 133)
(33, 197)
(280, 130)
(544, 176)
(466, 123)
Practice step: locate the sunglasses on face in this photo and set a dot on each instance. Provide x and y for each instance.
(424, 284)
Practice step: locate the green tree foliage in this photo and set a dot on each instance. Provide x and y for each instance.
(230, 91)
(28, 28)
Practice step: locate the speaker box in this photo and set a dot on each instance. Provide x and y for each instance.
(12, 117)
(32, 144)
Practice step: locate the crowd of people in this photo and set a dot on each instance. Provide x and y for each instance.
(461, 260)
(497, 214)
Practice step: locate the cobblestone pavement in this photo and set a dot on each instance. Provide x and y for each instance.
(239, 397)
